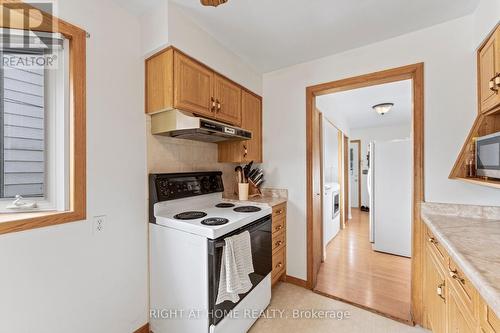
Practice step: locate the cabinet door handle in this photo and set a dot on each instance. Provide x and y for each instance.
(495, 83)
(454, 275)
(212, 100)
(440, 291)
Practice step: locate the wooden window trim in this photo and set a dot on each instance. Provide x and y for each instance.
(77, 82)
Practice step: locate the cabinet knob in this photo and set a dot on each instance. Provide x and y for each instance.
(432, 240)
(278, 227)
(494, 83)
(212, 100)
(278, 243)
(245, 151)
(218, 105)
(279, 265)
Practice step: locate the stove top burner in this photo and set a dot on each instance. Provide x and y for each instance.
(213, 221)
(225, 205)
(190, 215)
(247, 209)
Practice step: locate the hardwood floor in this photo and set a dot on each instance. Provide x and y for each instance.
(354, 273)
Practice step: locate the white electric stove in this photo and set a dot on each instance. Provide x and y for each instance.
(189, 221)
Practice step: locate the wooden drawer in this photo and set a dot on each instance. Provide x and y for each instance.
(466, 293)
(488, 321)
(279, 224)
(278, 264)
(436, 248)
(278, 240)
(279, 211)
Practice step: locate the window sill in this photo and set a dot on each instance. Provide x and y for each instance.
(14, 222)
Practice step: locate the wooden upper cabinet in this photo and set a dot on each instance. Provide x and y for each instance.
(160, 82)
(193, 86)
(228, 101)
(251, 119)
(489, 73)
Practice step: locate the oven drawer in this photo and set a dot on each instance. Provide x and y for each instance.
(279, 224)
(278, 264)
(279, 211)
(278, 240)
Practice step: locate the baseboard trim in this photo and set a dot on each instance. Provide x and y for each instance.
(143, 329)
(296, 281)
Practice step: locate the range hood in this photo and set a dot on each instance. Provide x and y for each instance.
(183, 125)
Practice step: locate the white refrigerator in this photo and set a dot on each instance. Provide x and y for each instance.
(389, 189)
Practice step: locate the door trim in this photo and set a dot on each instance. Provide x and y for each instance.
(414, 72)
(358, 142)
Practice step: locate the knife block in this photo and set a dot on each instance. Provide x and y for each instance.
(253, 191)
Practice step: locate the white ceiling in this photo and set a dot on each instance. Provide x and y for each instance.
(354, 107)
(272, 34)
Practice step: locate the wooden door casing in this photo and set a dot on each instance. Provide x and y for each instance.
(194, 86)
(317, 240)
(228, 100)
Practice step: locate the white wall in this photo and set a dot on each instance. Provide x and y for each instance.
(366, 135)
(182, 32)
(64, 278)
(448, 51)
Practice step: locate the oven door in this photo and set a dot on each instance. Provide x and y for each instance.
(261, 240)
(488, 156)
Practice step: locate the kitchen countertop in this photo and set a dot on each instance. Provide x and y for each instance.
(471, 236)
(270, 196)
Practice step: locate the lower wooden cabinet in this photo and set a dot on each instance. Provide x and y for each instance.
(451, 303)
(434, 292)
(458, 320)
(279, 242)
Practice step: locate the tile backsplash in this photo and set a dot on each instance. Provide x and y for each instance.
(166, 154)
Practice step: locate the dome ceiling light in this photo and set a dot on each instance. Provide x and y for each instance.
(383, 108)
(213, 3)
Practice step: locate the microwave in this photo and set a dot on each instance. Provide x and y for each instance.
(488, 155)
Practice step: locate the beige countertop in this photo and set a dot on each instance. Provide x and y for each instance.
(471, 236)
(272, 197)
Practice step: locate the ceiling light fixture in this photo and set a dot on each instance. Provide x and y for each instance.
(383, 108)
(213, 3)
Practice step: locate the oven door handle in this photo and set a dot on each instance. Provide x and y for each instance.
(250, 228)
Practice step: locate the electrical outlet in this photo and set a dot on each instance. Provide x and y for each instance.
(98, 224)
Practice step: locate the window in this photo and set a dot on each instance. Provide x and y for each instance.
(42, 119)
(34, 126)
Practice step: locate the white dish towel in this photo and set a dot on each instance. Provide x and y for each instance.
(236, 265)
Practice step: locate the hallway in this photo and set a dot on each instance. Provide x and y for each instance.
(354, 273)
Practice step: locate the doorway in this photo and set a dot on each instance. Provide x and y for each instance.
(415, 74)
